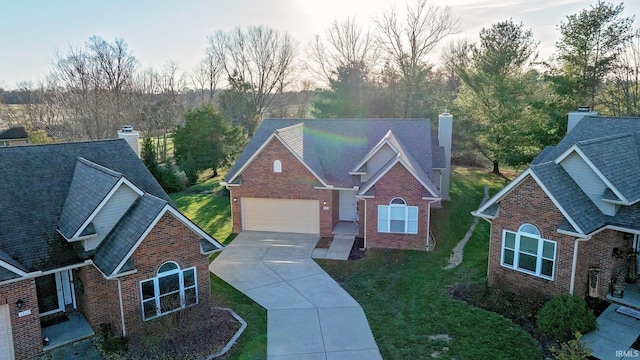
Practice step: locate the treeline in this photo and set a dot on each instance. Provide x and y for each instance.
(508, 103)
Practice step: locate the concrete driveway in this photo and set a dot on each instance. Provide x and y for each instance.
(309, 316)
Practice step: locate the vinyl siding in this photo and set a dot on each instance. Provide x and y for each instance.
(377, 161)
(109, 215)
(588, 181)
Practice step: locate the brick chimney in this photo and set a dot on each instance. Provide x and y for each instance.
(445, 133)
(131, 136)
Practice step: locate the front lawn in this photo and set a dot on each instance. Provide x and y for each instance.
(403, 293)
(207, 204)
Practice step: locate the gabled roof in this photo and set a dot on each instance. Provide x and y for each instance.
(609, 146)
(331, 148)
(32, 198)
(13, 133)
(89, 186)
(114, 248)
(113, 256)
(403, 157)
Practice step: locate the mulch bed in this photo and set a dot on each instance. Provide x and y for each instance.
(193, 339)
(324, 242)
(357, 250)
(521, 310)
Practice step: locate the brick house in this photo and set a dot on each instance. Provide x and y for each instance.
(88, 235)
(373, 178)
(569, 223)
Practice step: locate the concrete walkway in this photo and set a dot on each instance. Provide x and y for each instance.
(309, 316)
(614, 337)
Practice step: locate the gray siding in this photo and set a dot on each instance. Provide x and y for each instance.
(588, 181)
(110, 214)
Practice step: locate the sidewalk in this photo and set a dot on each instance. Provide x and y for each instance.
(614, 337)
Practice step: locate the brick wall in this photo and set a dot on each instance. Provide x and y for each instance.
(597, 253)
(294, 182)
(169, 240)
(91, 298)
(527, 203)
(27, 337)
(398, 182)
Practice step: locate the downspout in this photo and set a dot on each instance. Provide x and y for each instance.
(365, 223)
(429, 223)
(490, 234)
(124, 329)
(574, 263)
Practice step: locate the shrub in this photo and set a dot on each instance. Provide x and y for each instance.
(572, 349)
(564, 315)
(168, 179)
(115, 345)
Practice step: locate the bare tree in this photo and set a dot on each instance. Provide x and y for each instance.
(256, 61)
(408, 44)
(344, 44)
(94, 85)
(206, 77)
(620, 95)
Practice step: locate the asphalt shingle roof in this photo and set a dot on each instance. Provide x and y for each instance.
(336, 145)
(127, 232)
(90, 185)
(571, 198)
(33, 194)
(611, 145)
(14, 133)
(621, 168)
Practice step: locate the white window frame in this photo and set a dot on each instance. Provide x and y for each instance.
(386, 214)
(155, 299)
(277, 166)
(531, 232)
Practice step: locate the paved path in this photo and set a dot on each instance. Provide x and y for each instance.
(614, 337)
(309, 316)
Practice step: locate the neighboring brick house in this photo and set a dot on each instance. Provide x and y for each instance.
(86, 229)
(376, 178)
(570, 223)
(14, 136)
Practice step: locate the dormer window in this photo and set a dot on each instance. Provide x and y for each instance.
(277, 166)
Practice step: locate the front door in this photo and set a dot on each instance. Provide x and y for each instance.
(55, 292)
(348, 205)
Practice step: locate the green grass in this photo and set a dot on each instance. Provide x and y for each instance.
(403, 293)
(212, 212)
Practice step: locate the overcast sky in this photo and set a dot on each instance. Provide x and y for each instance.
(159, 31)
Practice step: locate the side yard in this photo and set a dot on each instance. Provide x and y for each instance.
(404, 293)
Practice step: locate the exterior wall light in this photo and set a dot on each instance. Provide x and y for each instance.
(19, 304)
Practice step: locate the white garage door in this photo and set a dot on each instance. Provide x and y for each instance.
(281, 215)
(6, 339)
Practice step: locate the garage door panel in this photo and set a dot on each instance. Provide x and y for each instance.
(281, 215)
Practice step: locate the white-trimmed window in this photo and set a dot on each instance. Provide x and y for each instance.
(397, 217)
(277, 166)
(172, 289)
(526, 251)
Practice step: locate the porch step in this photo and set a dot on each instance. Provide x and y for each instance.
(629, 312)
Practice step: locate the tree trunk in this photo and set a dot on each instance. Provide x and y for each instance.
(215, 172)
(496, 167)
